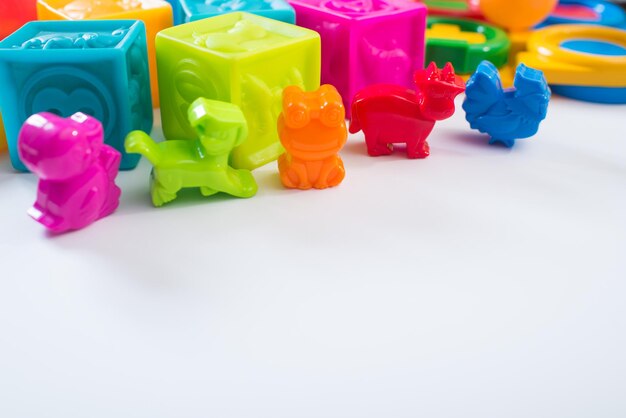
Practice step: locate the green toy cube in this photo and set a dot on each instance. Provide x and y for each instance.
(240, 58)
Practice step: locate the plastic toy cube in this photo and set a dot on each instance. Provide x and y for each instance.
(96, 67)
(14, 13)
(239, 58)
(177, 9)
(156, 14)
(274, 9)
(366, 42)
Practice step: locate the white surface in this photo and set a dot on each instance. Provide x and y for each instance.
(480, 282)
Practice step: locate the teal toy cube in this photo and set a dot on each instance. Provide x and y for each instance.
(240, 58)
(96, 67)
(177, 9)
(274, 9)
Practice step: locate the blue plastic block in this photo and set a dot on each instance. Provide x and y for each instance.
(97, 67)
(177, 8)
(506, 114)
(273, 9)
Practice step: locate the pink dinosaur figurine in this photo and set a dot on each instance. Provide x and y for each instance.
(389, 114)
(76, 170)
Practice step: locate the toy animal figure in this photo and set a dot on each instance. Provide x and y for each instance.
(312, 129)
(389, 114)
(76, 170)
(509, 114)
(199, 163)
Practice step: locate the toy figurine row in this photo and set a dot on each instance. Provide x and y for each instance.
(77, 170)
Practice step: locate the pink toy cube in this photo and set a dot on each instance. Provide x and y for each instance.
(366, 41)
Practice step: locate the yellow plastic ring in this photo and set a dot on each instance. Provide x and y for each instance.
(547, 42)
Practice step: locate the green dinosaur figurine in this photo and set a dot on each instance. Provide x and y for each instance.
(203, 162)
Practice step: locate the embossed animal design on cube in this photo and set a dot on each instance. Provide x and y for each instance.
(156, 15)
(366, 42)
(312, 129)
(76, 170)
(97, 67)
(241, 58)
(390, 114)
(203, 162)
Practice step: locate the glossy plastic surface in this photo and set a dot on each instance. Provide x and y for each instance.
(14, 13)
(156, 15)
(597, 12)
(465, 43)
(365, 42)
(565, 60)
(201, 162)
(506, 115)
(312, 128)
(606, 95)
(96, 67)
(273, 9)
(239, 58)
(177, 10)
(456, 8)
(391, 114)
(3, 138)
(516, 15)
(76, 170)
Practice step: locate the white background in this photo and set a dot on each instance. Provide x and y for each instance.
(481, 282)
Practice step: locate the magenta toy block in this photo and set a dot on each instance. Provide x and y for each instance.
(366, 42)
(76, 170)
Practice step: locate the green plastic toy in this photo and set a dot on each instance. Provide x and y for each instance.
(240, 58)
(465, 43)
(201, 162)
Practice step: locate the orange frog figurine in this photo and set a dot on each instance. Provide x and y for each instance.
(312, 128)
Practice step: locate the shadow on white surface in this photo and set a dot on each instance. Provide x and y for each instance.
(481, 282)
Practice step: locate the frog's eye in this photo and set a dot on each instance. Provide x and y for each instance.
(297, 115)
(332, 114)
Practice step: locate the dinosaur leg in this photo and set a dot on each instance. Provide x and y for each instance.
(90, 209)
(376, 146)
(417, 148)
(112, 200)
(52, 222)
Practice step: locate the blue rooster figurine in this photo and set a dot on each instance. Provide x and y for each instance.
(506, 114)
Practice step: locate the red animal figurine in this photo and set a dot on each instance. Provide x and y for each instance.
(389, 114)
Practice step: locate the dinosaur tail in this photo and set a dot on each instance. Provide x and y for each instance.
(355, 126)
(138, 142)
